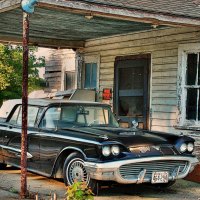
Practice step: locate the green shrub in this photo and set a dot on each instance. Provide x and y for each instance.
(79, 191)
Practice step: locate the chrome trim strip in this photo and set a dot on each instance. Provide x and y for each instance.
(73, 148)
(146, 159)
(36, 133)
(18, 151)
(29, 169)
(110, 170)
(3, 128)
(67, 137)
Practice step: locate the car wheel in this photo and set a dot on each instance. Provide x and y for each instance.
(74, 170)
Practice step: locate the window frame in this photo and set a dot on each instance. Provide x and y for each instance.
(182, 88)
(110, 118)
(19, 114)
(90, 59)
(40, 126)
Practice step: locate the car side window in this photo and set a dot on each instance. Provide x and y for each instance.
(32, 116)
(14, 118)
(51, 118)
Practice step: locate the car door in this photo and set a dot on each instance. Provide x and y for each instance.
(12, 139)
(49, 142)
(3, 127)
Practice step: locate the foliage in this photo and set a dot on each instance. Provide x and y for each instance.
(79, 191)
(5, 76)
(11, 62)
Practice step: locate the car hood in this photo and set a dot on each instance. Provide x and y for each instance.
(128, 137)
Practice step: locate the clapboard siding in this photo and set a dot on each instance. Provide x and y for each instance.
(160, 50)
(107, 65)
(141, 35)
(166, 80)
(168, 87)
(163, 128)
(161, 94)
(163, 47)
(165, 60)
(164, 101)
(163, 116)
(145, 42)
(164, 67)
(163, 123)
(164, 109)
(55, 66)
(107, 71)
(163, 74)
(53, 70)
(163, 53)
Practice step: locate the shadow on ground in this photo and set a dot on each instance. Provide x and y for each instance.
(10, 185)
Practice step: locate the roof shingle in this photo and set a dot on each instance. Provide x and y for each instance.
(187, 8)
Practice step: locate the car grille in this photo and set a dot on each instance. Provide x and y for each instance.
(131, 171)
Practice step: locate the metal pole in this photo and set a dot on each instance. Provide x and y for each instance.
(24, 106)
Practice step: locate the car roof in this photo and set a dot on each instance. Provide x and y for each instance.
(48, 102)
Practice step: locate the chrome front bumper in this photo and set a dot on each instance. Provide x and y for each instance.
(110, 171)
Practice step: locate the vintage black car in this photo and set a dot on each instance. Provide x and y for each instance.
(82, 141)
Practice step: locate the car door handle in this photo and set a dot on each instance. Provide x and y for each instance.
(18, 155)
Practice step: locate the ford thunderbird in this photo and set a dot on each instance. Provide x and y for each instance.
(82, 141)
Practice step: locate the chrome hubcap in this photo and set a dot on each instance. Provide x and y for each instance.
(77, 172)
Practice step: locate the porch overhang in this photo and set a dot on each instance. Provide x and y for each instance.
(69, 23)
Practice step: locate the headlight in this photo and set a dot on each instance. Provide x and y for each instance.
(115, 150)
(183, 147)
(190, 147)
(106, 151)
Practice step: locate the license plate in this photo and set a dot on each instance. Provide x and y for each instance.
(159, 177)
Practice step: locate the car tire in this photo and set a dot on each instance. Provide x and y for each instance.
(74, 169)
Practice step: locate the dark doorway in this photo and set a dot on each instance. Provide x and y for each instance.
(131, 99)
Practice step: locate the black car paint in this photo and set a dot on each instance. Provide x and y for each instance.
(46, 146)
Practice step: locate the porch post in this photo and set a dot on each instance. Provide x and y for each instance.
(28, 8)
(79, 69)
(24, 106)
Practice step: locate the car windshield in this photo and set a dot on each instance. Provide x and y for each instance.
(79, 115)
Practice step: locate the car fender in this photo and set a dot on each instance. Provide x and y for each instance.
(59, 162)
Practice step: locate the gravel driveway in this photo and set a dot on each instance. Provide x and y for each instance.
(10, 185)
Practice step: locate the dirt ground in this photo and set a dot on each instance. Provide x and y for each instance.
(10, 187)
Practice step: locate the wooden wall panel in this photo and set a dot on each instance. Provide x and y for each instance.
(163, 47)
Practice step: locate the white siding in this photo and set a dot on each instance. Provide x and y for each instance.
(163, 47)
(57, 63)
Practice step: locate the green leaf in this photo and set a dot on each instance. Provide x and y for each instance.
(11, 62)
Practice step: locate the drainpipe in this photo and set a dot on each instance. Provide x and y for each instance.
(28, 8)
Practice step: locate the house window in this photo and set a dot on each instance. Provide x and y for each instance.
(192, 87)
(90, 76)
(189, 85)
